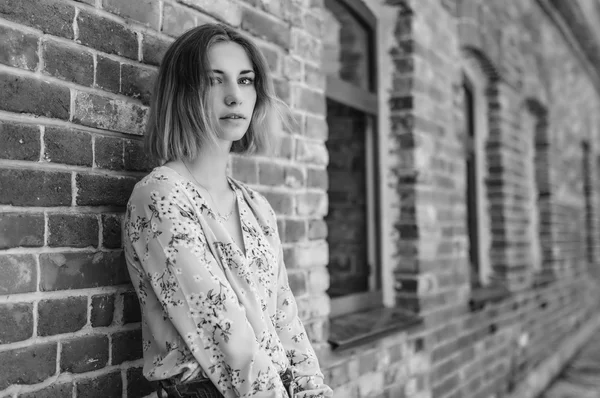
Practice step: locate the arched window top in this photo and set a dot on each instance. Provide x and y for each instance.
(349, 43)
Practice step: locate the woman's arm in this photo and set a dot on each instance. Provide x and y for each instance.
(195, 295)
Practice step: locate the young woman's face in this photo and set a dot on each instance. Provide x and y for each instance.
(232, 94)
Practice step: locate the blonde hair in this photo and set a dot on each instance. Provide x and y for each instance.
(180, 121)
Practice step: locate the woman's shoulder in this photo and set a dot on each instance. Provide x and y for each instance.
(161, 180)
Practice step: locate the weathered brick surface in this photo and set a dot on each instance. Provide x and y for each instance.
(109, 152)
(131, 308)
(29, 365)
(137, 82)
(17, 324)
(22, 94)
(102, 386)
(108, 113)
(50, 16)
(69, 146)
(103, 309)
(84, 354)
(136, 158)
(108, 74)
(96, 190)
(62, 271)
(58, 390)
(126, 347)
(177, 19)
(144, 11)
(21, 229)
(18, 273)
(106, 35)
(68, 63)
(18, 49)
(19, 141)
(137, 385)
(72, 230)
(57, 316)
(154, 48)
(111, 231)
(37, 188)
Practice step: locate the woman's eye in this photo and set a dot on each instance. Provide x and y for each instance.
(246, 80)
(214, 80)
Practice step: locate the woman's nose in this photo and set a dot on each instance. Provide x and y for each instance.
(233, 97)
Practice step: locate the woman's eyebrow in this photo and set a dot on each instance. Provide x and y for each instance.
(244, 72)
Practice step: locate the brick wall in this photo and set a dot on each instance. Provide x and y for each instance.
(75, 78)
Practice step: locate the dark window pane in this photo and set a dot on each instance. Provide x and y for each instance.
(347, 44)
(347, 217)
(471, 194)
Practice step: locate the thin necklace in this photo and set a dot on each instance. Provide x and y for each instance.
(224, 218)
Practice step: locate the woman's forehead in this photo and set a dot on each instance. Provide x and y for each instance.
(229, 57)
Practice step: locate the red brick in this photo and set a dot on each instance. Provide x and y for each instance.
(131, 308)
(49, 16)
(26, 94)
(103, 386)
(108, 113)
(309, 100)
(298, 283)
(63, 315)
(68, 63)
(144, 11)
(98, 190)
(106, 35)
(68, 146)
(245, 169)
(295, 230)
(318, 178)
(17, 322)
(72, 230)
(37, 188)
(108, 74)
(18, 274)
(62, 271)
(19, 141)
(29, 365)
(136, 158)
(59, 390)
(154, 48)
(281, 202)
(126, 346)
(271, 174)
(137, 385)
(18, 49)
(84, 354)
(111, 231)
(21, 229)
(103, 308)
(268, 28)
(316, 128)
(109, 152)
(317, 229)
(294, 177)
(176, 19)
(137, 82)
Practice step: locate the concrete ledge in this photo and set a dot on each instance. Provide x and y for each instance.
(541, 377)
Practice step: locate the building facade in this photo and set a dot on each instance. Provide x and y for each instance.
(438, 197)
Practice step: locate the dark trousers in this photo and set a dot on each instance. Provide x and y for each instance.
(206, 389)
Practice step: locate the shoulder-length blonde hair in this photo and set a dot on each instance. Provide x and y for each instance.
(180, 121)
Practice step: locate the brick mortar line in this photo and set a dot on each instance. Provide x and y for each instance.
(63, 210)
(41, 120)
(56, 250)
(86, 331)
(34, 297)
(72, 86)
(49, 166)
(70, 377)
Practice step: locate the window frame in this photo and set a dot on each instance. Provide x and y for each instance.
(475, 78)
(367, 102)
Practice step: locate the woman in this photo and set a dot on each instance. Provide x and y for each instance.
(202, 249)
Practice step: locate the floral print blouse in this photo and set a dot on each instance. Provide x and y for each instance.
(210, 310)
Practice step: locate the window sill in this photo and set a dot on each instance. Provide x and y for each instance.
(363, 327)
(483, 295)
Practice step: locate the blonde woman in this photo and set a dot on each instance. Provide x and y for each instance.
(202, 249)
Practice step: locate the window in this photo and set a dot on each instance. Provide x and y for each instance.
(533, 166)
(587, 191)
(475, 113)
(352, 220)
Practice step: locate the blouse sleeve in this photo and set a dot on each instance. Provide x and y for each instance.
(292, 334)
(195, 295)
